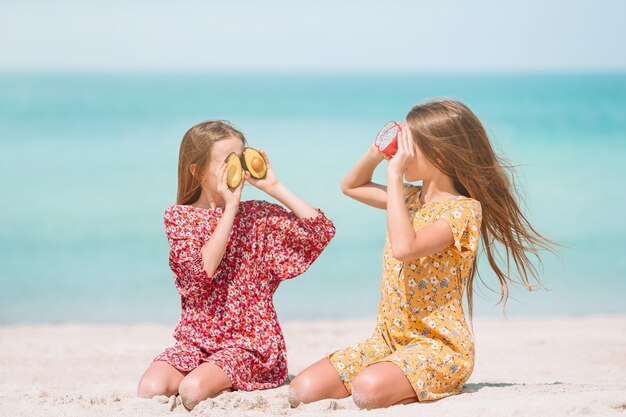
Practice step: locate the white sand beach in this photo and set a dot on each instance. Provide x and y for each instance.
(569, 366)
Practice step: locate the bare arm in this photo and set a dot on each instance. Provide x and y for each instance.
(406, 243)
(294, 203)
(274, 188)
(357, 183)
(213, 250)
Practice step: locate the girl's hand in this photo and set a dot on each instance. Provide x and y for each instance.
(231, 197)
(405, 154)
(267, 184)
(379, 156)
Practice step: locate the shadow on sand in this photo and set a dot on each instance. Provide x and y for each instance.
(475, 387)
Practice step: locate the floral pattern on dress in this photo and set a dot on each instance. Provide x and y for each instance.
(228, 318)
(421, 325)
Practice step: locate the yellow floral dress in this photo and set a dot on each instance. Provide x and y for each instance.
(421, 326)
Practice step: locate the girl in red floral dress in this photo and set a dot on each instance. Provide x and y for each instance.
(228, 257)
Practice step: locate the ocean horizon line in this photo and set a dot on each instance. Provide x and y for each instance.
(322, 73)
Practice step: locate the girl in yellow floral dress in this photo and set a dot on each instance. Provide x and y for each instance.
(421, 348)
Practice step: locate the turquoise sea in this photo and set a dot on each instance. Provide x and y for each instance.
(88, 165)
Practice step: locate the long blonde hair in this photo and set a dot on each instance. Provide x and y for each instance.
(195, 148)
(452, 138)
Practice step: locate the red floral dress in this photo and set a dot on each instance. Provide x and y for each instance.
(229, 318)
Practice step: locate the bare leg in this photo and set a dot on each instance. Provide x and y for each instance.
(160, 378)
(317, 382)
(206, 381)
(381, 385)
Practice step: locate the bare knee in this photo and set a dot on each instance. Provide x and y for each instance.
(194, 390)
(191, 392)
(150, 386)
(367, 391)
(301, 390)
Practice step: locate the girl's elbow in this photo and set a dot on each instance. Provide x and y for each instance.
(210, 271)
(404, 253)
(344, 188)
(400, 255)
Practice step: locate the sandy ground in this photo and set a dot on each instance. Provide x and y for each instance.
(524, 367)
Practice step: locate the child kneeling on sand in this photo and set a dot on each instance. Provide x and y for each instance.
(228, 258)
(421, 348)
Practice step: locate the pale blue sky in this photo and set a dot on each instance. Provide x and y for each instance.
(313, 36)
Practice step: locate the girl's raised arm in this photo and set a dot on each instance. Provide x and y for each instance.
(357, 183)
(294, 238)
(274, 188)
(214, 248)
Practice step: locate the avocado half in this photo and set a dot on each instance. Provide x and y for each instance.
(254, 163)
(234, 170)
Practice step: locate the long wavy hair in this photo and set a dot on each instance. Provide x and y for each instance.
(452, 138)
(195, 148)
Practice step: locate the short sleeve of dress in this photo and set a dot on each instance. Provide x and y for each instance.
(185, 257)
(292, 244)
(411, 192)
(464, 218)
